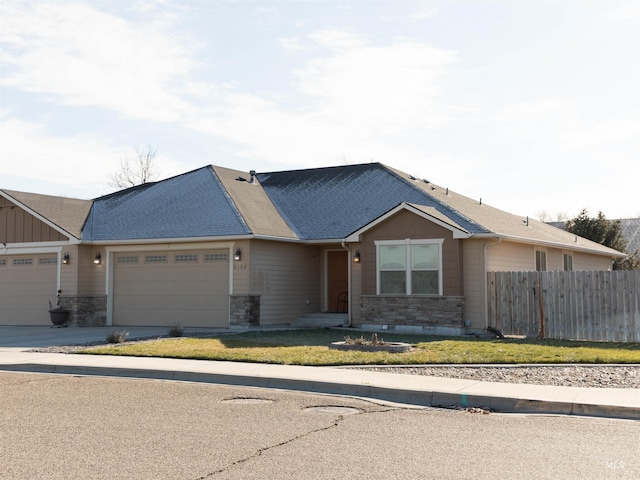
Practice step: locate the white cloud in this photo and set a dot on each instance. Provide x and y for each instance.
(292, 43)
(422, 12)
(351, 101)
(337, 39)
(78, 166)
(85, 57)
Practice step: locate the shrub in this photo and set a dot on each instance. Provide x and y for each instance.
(363, 341)
(176, 330)
(117, 336)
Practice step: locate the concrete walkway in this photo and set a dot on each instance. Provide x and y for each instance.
(406, 389)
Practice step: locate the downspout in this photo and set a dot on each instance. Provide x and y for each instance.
(484, 281)
(349, 323)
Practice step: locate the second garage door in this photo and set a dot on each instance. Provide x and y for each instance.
(27, 285)
(167, 288)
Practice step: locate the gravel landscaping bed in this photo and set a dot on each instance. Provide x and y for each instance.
(594, 376)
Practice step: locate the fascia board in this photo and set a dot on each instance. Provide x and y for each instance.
(563, 246)
(166, 241)
(169, 246)
(36, 249)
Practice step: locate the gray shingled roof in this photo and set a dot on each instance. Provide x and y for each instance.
(331, 203)
(320, 204)
(190, 205)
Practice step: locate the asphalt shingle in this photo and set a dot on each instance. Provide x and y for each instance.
(190, 205)
(331, 203)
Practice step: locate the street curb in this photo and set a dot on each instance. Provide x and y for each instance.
(418, 397)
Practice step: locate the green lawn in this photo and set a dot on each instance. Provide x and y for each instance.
(311, 347)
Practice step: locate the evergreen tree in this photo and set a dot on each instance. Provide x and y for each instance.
(607, 233)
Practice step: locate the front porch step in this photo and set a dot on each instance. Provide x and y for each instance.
(321, 320)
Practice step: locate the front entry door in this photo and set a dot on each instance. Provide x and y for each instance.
(337, 280)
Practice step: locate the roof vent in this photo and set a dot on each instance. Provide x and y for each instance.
(253, 177)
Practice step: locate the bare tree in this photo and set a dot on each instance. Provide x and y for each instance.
(136, 171)
(544, 216)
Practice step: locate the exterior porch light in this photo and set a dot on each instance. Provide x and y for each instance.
(97, 259)
(66, 258)
(237, 254)
(356, 256)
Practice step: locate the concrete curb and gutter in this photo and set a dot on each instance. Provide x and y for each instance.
(397, 388)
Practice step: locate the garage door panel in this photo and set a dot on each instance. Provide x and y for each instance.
(155, 289)
(171, 288)
(25, 291)
(182, 303)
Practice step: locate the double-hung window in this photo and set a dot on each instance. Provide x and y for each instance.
(541, 260)
(567, 260)
(409, 267)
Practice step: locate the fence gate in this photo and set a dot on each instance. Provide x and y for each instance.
(588, 305)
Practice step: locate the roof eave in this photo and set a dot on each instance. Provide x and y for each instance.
(458, 233)
(574, 247)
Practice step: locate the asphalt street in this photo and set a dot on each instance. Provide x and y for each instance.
(77, 427)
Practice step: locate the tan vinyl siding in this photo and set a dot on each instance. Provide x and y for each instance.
(242, 268)
(584, 261)
(18, 226)
(519, 257)
(81, 277)
(91, 277)
(474, 282)
(511, 257)
(69, 272)
(356, 285)
(286, 276)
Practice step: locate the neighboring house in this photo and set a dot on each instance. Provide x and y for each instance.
(630, 228)
(217, 247)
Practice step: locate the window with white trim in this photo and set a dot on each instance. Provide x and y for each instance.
(409, 267)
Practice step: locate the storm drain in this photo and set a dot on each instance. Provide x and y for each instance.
(247, 401)
(332, 410)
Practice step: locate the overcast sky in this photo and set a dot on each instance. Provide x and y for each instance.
(530, 105)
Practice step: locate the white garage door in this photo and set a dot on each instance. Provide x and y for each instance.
(27, 284)
(167, 288)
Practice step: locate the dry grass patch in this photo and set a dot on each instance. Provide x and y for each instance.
(311, 347)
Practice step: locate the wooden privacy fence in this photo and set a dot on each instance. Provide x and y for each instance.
(599, 306)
